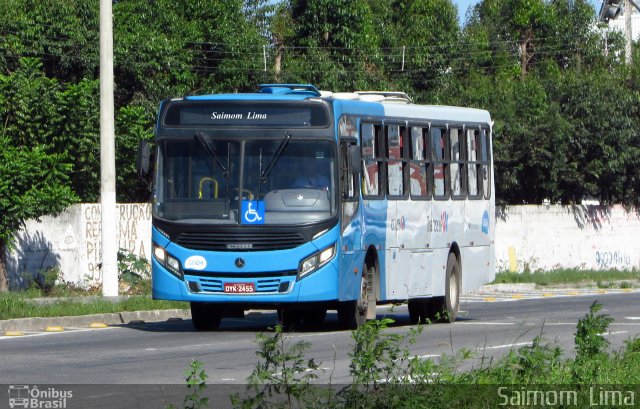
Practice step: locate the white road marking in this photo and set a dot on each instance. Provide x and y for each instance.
(613, 333)
(482, 323)
(518, 344)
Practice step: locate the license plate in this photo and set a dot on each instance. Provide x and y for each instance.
(239, 287)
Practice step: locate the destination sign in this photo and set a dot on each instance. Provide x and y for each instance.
(214, 113)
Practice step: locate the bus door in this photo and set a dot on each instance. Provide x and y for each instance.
(350, 220)
(398, 257)
(477, 256)
(414, 214)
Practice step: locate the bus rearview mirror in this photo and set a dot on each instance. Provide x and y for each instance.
(355, 159)
(143, 159)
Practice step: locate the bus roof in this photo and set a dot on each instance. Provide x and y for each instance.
(393, 104)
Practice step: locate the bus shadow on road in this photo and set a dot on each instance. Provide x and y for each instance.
(256, 322)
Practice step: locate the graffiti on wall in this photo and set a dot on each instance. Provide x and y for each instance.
(619, 259)
(130, 216)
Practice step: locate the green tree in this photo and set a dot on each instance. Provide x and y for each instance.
(63, 34)
(334, 44)
(33, 183)
(77, 131)
(603, 141)
(132, 126)
(419, 42)
(34, 176)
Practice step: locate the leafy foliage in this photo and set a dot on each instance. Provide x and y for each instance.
(379, 352)
(282, 377)
(564, 104)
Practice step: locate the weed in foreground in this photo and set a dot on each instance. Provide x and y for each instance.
(386, 375)
(196, 378)
(282, 377)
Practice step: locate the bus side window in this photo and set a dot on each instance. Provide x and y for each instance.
(457, 163)
(473, 170)
(395, 162)
(439, 159)
(371, 160)
(419, 167)
(484, 157)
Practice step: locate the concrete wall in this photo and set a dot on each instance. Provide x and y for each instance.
(533, 237)
(72, 242)
(549, 237)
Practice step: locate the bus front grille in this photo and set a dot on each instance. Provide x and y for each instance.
(212, 285)
(240, 241)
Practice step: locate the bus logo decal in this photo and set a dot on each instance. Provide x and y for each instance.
(195, 263)
(239, 246)
(252, 212)
(444, 220)
(398, 224)
(485, 222)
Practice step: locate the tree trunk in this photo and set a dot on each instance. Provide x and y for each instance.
(523, 59)
(277, 68)
(4, 279)
(526, 53)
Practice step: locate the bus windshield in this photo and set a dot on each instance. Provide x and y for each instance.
(205, 180)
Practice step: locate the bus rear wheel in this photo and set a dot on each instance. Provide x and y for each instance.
(451, 303)
(205, 316)
(353, 314)
(445, 309)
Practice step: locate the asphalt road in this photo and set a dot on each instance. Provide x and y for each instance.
(159, 353)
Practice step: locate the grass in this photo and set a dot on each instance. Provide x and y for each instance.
(64, 299)
(47, 295)
(385, 374)
(17, 305)
(599, 278)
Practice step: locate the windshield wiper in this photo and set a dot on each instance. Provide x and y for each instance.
(200, 138)
(283, 144)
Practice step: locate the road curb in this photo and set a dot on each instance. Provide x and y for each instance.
(85, 321)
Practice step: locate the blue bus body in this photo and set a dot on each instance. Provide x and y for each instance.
(402, 237)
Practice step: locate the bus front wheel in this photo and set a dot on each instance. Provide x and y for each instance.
(205, 316)
(314, 316)
(353, 314)
(289, 318)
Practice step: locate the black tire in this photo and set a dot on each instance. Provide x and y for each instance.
(453, 285)
(420, 310)
(314, 316)
(353, 314)
(437, 309)
(205, 316)
(289, 318)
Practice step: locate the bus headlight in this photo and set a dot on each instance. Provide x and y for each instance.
(167, 260)
(316, 260)
(159, 253)
(173, 265)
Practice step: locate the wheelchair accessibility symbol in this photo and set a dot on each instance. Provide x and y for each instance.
(252, 212)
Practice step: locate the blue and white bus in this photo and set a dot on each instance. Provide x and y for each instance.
(304, 201)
